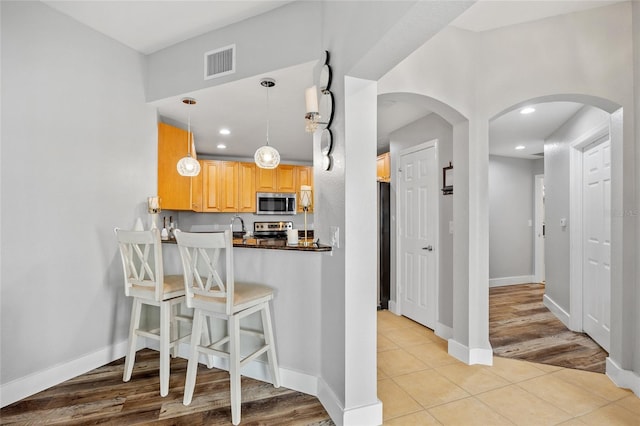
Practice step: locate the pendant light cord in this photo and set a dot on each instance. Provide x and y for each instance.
(267, 115)
(189, 134)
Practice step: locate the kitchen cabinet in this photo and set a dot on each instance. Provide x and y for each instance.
(247, 187)
(231, 186)
(286, 178)
(280, 179)
(383, 167)
(266, 180)
(174, 190)
(196, 190)
(219, 186)
(304, 176)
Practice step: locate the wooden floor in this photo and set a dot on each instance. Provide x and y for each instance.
(101, 397)
(521, 327)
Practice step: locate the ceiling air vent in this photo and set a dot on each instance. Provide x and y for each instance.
(220, 62)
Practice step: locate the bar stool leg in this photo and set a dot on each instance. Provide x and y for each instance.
(165, 331)
(234, 367)
(268, 340)
(194, 354)
(133, 337)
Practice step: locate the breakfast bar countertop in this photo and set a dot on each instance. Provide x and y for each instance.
(257, 243)
(278, 245)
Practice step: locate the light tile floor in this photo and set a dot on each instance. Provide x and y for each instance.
(420, 384)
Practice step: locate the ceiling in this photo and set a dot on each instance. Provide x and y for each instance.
(241, 106)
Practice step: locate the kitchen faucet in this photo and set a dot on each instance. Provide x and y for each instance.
(233, 219)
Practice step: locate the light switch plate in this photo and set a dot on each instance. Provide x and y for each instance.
(335, 236)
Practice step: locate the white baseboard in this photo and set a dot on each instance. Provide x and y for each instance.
(623, 378)
(365, 415)
(23, 387)
(558, 311)
(443, 331)
(330, 402)
(468, 355)
(501, 282)
(393, 307)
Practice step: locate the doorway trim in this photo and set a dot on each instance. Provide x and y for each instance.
(538, 230)
(399, 288)
(575, 216)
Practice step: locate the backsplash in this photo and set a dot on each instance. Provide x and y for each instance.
(203, 222)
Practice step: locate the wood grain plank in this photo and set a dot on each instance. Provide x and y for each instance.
(521, 327)
(101, 397)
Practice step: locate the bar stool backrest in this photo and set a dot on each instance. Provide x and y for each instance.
(207, 277)
(141, 254)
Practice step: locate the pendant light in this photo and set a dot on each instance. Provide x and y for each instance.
(267, 157)
(188, 166)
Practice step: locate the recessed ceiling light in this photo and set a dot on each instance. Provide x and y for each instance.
(527, 110)
(519, 147)
(221, 146)
(225, 131)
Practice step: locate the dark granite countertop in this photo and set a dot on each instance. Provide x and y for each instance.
(272, 244)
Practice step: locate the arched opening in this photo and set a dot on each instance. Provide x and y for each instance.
(406, 122)
(556, 241)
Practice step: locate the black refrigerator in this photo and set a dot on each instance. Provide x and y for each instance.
(384, 245)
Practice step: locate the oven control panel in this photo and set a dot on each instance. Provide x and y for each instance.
(272, 226)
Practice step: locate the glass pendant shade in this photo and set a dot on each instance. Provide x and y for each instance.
(267, 157)
(188, 166)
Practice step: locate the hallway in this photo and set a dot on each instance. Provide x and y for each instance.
(420, 384)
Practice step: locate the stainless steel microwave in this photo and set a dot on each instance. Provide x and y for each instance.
(276, 203)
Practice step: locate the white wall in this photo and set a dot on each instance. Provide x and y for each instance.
(556, 181)
(636, 55)
(425, 129)
(511, 217)
(78, 159)
(286, 36)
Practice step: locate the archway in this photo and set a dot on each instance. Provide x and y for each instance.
(564, 228)
(431, 120)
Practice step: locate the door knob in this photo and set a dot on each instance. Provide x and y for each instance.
(428, 248)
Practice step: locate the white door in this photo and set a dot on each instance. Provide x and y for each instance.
(597, 242)
(418, 233)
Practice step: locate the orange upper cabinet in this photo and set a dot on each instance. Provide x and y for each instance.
(304, 177)
(210, 198)
(247, 187)
(228, 184)
(196, 190)
(219, 186)
(383, 167)
(266, 180)
(280, 179)
(286, 178)
(174, 190)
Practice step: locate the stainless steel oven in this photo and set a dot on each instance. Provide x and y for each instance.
(276, 203)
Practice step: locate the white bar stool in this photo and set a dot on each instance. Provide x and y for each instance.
(210, 296)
